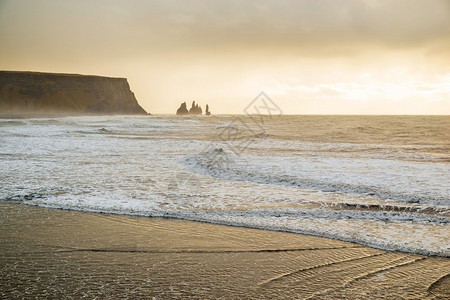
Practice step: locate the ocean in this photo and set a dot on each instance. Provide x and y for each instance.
(381, 181)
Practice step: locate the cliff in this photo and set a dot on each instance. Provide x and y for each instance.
(32, 92)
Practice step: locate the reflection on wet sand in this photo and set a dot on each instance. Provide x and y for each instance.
(53, 253)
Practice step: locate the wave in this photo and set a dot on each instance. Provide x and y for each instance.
(220, 164)
(367, 193)
(421, 230)
(43, 122)
(10, 123)
(312, 210)
(393, 236)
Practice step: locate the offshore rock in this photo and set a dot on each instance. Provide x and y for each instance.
(182, 110)
(195, 109)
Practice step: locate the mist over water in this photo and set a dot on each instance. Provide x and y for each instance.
(381, 181)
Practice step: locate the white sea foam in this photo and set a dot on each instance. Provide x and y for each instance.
(383, 178)
(386, 195)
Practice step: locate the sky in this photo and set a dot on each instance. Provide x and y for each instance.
(309, 57)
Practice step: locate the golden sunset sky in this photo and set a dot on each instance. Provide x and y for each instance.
(310, 57)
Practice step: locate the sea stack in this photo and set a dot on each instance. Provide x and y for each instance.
(50, 93)
(182, 110)
(194, 110)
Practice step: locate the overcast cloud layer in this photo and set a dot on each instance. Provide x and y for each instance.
(318, 56)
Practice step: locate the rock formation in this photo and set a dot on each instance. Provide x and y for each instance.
(47, 93)
(194, 110)
(182, 110)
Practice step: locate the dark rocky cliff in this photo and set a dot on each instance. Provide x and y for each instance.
(32, 92)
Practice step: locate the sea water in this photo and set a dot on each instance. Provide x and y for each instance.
(381, 181)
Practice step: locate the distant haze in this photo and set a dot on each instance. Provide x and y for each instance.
(310, 57)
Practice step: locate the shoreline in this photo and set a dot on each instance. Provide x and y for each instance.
(50, 115)
(59, 253)
(236, 225)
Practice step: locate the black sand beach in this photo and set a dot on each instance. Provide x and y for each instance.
(65, 254)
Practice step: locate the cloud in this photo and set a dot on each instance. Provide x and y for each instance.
(431, 91)
(310, 27)
(303, 24)
(227, 51)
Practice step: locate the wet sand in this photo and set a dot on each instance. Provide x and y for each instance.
(65, 254)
